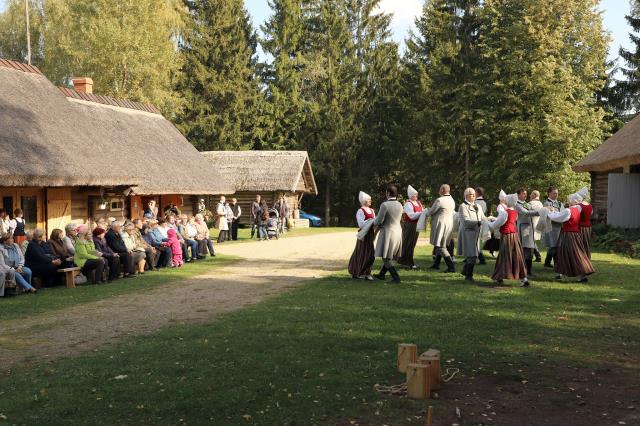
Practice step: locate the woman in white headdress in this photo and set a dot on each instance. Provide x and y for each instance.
(493, 244)
(410, 216)
(585, 219)
(510, 263)
(363, 255)
(572, 259)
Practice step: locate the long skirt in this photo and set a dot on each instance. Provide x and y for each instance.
(585, 231)
(510, 262)
(363, 256)
(409, 241)
(492, 244)
(572, 258)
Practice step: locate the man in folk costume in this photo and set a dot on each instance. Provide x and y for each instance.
(572, 259)
(510, 262)
(536, 204)
(442, 212)
(526, 229)
(471, 218)
(585, 219)
(550, 239)
(412, 211)
(389, 245)
(483, 205)
(363, 255)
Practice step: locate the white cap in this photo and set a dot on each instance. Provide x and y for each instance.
(502, 195)
(363, 196)
(584, 193)
(512, 200)
(575, 198)
(411, 191)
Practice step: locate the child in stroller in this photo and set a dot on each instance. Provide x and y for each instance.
(272, 224)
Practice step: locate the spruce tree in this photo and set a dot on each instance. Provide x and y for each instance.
(630, 87)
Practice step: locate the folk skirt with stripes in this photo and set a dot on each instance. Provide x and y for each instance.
(363, 256)
(409, 241)
(572, 259)
(585, 231)
(510, 262)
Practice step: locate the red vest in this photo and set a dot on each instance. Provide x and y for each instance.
(585, 215)
(416, 209)
(367, 216)
(573, 224)
(509, 226)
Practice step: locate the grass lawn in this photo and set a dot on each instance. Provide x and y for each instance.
(60, 297)
(566, 352)
(244, 235)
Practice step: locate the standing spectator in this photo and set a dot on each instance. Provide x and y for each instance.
(254, 213)
(5, 222)
(263, 218)
(59, 248)
(221, 220)
(19, 235)
(151, 212)
(87, 257)
(203, 236)
(69, 239)
(176, 248)
(235, 221)
(112, 260)
(171, 208)
(227, 207)
(283, 211)
(40, 259)
(14, 259)
(115, 241)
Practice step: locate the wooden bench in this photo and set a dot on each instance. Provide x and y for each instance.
(70, 276)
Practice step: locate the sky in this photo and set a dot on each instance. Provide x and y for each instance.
(405, 11)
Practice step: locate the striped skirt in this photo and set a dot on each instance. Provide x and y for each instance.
(409, 241)
(363, 256)
(585, 231)
(510, 262)
(572, 259)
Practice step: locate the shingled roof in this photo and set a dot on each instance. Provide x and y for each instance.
(620, 150)
(265, 170)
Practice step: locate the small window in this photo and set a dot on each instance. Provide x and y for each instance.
(116, 205)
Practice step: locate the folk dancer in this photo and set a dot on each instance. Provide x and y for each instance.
(483, 205)
(536, 204)
(363, 255)
(526, 229)
(510, 263)
(471, 218)
(412, 211)
(585, 219)
(493, 244)
(550, 239)
(442, 212)
(572, 259)
(389, 245)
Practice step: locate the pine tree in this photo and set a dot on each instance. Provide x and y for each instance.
(630, 87)
(222, 98)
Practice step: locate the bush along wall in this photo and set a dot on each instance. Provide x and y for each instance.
(617, 240)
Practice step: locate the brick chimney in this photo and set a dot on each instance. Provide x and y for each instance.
(83, 84)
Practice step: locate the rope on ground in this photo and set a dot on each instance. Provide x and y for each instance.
(401, 389)
(451, 373)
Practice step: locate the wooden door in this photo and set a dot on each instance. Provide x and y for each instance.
(624, 200)
(58, 208)
(136, 208)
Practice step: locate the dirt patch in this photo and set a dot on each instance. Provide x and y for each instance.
(274, 267)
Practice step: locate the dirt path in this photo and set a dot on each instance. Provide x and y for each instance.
(269, 268)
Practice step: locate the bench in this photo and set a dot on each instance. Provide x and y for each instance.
(70, 276)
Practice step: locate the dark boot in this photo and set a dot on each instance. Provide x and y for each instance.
(465, 268)
(536, 253)
(469, 275)
(394, 275)
(547, 259)
(382, 274)
(529, 265)
(481, 258)
(436, 262)
(451, 266)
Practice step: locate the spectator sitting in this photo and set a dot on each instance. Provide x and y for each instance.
(153, 255)
(29, 236)
(87, 257)
(59, 248)
(138, 253)
(114, 240)
(112, 260)
(188, 233)
(153, 237)
(203, 236)
(69, 239)
(173, 224)
(101, 223)
(41, 260)
(14, 259)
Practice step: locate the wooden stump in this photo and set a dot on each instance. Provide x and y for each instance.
(407, 354)
(432, 359)
(418, 376)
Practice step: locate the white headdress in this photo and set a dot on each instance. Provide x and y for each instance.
(411, 191)
(502, 196)
(363, 196)
(584, 193)
(575, 198)
(512, 200)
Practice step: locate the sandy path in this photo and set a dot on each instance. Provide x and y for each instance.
(269, 268)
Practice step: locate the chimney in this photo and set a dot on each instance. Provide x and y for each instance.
(83, 84)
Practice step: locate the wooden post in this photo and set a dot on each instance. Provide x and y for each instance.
(418, 381)
(407, 354)
(430, 416)
(432, 359)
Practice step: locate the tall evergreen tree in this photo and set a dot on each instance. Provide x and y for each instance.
(630, 87)
(222, 105)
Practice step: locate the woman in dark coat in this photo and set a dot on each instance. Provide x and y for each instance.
(110, 257)
(41, 260)
(57, 246)
(363, 255)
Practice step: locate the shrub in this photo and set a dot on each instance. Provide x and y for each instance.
(617, 240)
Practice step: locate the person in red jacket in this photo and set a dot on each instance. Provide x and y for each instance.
(510, 263)
(585, 219)
(412, 210)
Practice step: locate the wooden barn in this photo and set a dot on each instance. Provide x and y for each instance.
(615, 177)
(71, 156)
(266, 173)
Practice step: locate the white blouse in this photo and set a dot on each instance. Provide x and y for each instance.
(360, 216)
(408, 209)
(562, 215)
(502, 217)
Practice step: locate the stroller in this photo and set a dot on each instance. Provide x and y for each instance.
(272, 224)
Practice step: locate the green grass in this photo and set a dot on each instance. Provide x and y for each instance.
(312, 356)
(60, 297)
(244, 235)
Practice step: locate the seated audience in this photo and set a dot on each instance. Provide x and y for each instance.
(59, 248)
(151, 234)
(202, 236)
(138, 253)
(87, 257)
(13, 258)
(114, 240)
(153, 255)
(28, 237)
(41, 260)
(69, 239)
(112, 260)
(188, 233)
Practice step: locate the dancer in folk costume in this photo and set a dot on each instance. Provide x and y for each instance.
(572, 259)
(483, 205)
(471, 218)
(493, 244)
(526, 230)
(510, 263)
(412, 211)
(363, 255)
(536, 204)
(585, 219)
(442, 212)
(389, 245)
(550, 239)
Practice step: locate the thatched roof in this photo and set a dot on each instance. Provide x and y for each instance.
(147, 144)
(620, 150)
(44, 141)
(257, 171)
